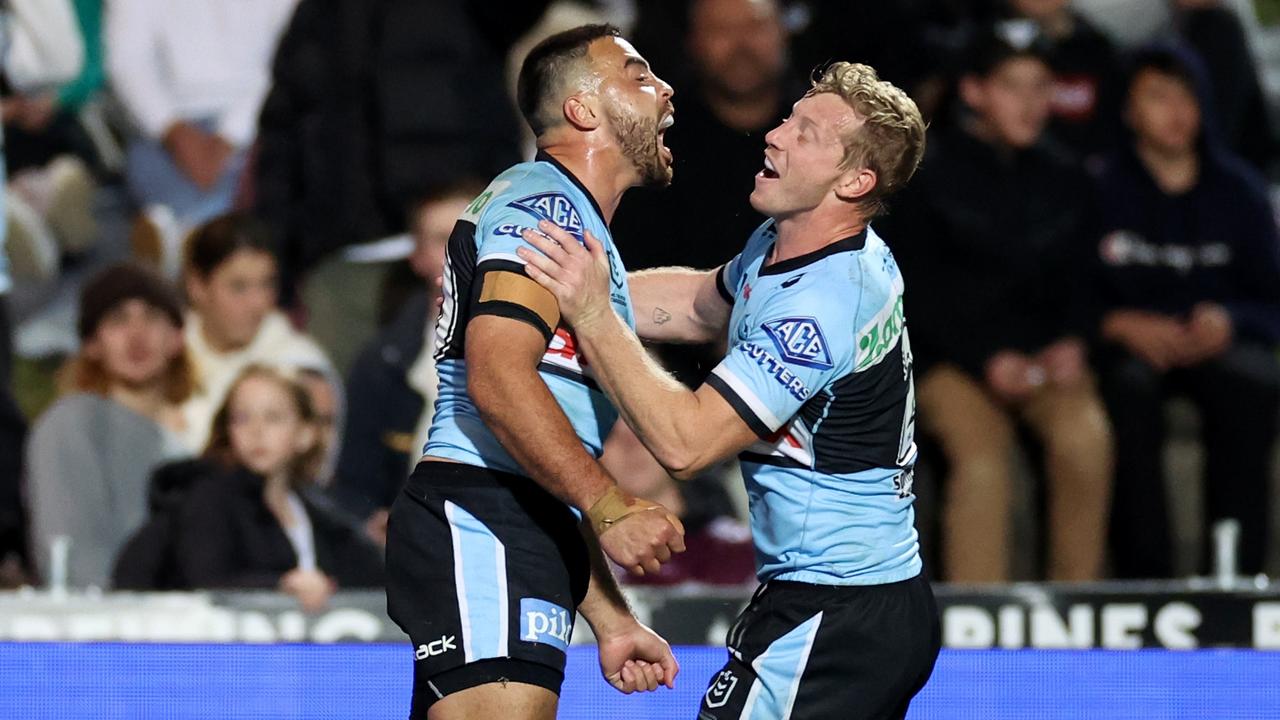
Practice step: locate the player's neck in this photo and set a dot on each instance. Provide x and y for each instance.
(601, 170)
(812, 230)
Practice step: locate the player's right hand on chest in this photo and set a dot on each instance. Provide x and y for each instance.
(637, 534)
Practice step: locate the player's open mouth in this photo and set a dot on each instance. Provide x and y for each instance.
(665, 151)
(769, 172)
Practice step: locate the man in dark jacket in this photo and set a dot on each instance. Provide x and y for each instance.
(989, 235)
(373, 103)
(1190, 277)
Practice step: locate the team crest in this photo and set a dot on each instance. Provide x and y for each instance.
(720, 690)
(800, 342)
(552, 206)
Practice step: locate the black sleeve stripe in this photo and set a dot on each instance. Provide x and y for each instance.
(744, 411)
(511, 310)
(508, 265)
(501, 308)
(720, 286)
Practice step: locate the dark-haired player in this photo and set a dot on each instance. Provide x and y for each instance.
(486, 558)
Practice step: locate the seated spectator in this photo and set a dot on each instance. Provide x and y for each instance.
(90, 454)
(256, 525)
(1190, 279)
(392, 386)
(233, 322)
(1242, 116)
(42, 51)
(44, 122)
(192, 75)
(1085, 106)
(989, 234)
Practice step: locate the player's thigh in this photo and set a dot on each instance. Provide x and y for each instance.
(505, 700)
(483, 577)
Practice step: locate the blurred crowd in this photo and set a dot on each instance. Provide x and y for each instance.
(225, 221)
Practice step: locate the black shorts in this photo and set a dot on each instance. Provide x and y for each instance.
(803, 651)
(485, 571)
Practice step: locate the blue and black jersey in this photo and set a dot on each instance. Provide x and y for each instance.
(820, 367)
(483, 275)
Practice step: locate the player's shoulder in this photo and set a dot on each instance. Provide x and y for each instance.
(517, 181)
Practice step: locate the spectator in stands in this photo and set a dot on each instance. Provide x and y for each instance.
(393, 384)
(1190, 277)
(42, 50)
(1243, 118)
(192, 75)
(372, 105)
(1085, 106)
(90, 454)
(256, 525)
(990, 234)
(44, 121)
(231, 285)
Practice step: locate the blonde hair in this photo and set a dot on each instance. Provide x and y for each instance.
(891, 140)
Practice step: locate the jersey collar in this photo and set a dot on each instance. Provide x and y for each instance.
(853, 242)
(544, 156)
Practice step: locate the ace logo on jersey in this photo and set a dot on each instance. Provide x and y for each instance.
(552, 206)
(800, 342)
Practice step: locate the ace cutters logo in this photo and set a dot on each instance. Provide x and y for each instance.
(555, 207)
(720, 690)
(800, 342)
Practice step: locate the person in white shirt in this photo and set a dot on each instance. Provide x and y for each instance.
(192, 75)
(233, 322)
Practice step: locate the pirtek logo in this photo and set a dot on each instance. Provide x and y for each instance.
(439, 647)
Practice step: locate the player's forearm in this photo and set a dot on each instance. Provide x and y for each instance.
(665, 302)
(604, 606)
(661, 411)
(517, 406)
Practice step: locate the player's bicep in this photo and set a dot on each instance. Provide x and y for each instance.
(502, 289)
(495, 342)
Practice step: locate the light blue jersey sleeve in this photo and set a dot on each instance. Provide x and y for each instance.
(507, 213)
(782, 357)
(500, 215)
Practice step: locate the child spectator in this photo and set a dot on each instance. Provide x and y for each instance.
(255, 525)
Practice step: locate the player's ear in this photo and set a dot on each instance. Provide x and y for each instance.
(581, 111)
(855, 183)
